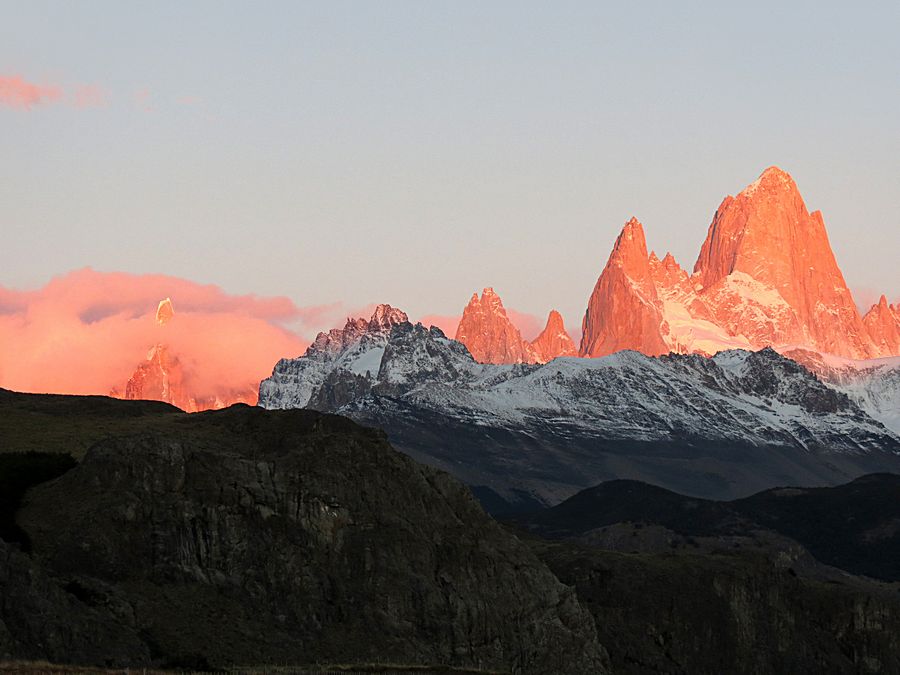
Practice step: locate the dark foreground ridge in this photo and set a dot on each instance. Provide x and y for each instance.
(249, 537)
(679, 584)
(855, 526)
(256, 538)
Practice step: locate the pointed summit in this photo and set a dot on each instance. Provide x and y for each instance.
(771, 262)
(489, 335)
(630, 249)
(553, 341)
(623, 310)
(164, 311)
(386, 316)
(882, 322)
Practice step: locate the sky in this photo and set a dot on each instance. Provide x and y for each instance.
(341, 154)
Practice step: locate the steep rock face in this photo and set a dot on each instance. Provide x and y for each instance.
(300, 378)
(720, 427)
(489, 335)
(623, 311)
(163, 377)
(553, 341)
(874, 384)
(767, 234)
(757, 590)
(250, 537)
(41, 620)
(734, 613)
(882, 322)
(765, 276)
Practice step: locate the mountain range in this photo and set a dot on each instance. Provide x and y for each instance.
(526, 434)
(765, 277)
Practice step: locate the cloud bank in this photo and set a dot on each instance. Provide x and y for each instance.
(85, 333)
(16, 92)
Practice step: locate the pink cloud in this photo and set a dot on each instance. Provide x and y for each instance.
(85, 332)
(89, 96)
(16, 92)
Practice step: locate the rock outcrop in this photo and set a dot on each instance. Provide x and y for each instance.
(767, 235)
(248, 537)
(553, 341)
(720, 427)
(623, 311)
(163, 377)
(765, 276)
(489, 335)
(882, 321)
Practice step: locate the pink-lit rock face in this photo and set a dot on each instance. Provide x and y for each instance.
(882, 321)
(553, 341)
(624, 309)
(162, 377)
(767, 234)
(766, 276)
(489, 335)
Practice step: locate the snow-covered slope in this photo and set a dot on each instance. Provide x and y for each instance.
(722, 426)
(759, 398)
(874, 384)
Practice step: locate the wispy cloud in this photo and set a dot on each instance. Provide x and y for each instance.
(89, 96)
(16, 92)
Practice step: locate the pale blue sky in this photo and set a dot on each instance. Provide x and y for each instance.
(413, 152)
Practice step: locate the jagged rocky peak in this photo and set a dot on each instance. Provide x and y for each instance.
(161, 376)
(164, 311)
(765, 276)
(385, 316)
(882, 321)
(553, 341)
(489, 335)
(623, 310)
(338, 339)
(630, 250)
(765, 239)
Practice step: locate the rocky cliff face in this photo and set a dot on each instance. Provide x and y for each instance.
(741, 587)
(767, 234)
(553, 341)
(765, 276)
(489, 335)
(882, 321)
(719, 427)
(248, 537)
(624, 309)
(163, 377)
(727, 613)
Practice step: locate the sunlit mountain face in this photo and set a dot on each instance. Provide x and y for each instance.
(765, 277)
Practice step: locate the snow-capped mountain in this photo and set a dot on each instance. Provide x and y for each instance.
(765, 276)
(713, 426)
(874, 384)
